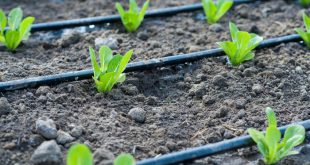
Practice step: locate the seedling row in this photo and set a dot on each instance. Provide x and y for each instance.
(108, 71)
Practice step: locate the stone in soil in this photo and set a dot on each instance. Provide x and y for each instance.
(46, 127)
(219, 81)
(112, 43)
(5, 107)
(137, 114)
(64, 137)
(103, 157)
(77, 131)
(48, 153)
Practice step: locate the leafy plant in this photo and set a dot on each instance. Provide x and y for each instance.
(124, 159)
(110, 69)
(79, 154)
(18, 29)
(305, 35)
(304, 3)
(215, 11)
(132, 18)
(240, 49)
(269, 144)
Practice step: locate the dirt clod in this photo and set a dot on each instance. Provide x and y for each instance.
(103, 157)
(46, 127)
(137, 114)
(48, 153)
(5, 107)
(64, 137)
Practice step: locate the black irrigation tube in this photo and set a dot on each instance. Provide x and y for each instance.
(135, 66)
(208, 150)
(114, 18)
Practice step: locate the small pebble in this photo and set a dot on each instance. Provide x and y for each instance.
(46, 127)
(48, 153)
(137, 114)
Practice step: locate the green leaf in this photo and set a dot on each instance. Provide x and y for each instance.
(121, 78)
(114, 63)
(233, 31)
(2, 22)
(224, 6)
(272, 121)
(79, 154)
(15, 18)
(124, 61)
(12, 39)
(124, 159)
(292, 131)
(143, 10)
(107, 81)
(306, 22)
(210, 10)
(230, 48)
(133, 7)
(249, 56)
(94, 63)
(24, 28)
(120, 9)
(259, 139)
(105, 55)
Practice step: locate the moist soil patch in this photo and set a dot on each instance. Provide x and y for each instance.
(177, 107)
(54, 52)
(184, 106)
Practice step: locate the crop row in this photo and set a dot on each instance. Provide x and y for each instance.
(108, 71)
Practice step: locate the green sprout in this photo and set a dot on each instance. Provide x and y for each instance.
(18, 29)
(240, 49)
(132, 18)
(269, 144)
(215, 11)
(305, 35)
(110, 69)
(304, 3)
(124, 159)
(79, 154)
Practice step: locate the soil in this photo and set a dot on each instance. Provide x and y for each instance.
(47, 53)
(184, 106)
(55, 10)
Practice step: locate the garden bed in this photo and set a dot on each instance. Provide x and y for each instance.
(187, 105)
(176, 107)
(44, 54)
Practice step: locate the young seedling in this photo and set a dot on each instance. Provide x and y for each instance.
(79, 154)
(124, 159)
(18, 29)
(110, 69)
(305, 35)
(240, 49)
(215, 11)
(269, 144)
(304, 3)
(132, 18)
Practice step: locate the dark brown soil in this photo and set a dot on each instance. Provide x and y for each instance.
(186, 105)
(55, 10)
(183, 33)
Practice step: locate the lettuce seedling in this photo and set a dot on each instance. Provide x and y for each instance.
(18, 29)
(305, 35)
(240, 49)
(304, 3)
(124, 159)
(110, 69)
(215, 11)
(269, 144)
(132, 18)
(79, 154)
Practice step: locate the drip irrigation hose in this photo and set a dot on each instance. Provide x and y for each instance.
(134, 66)
(114, 18)
(208, 150)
